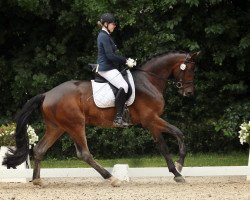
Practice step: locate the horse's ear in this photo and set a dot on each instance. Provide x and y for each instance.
(195, 55)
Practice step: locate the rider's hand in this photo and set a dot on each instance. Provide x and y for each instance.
(131, 62)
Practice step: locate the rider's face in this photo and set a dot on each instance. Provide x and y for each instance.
(111, 27)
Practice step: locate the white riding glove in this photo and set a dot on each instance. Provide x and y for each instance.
(131, 62)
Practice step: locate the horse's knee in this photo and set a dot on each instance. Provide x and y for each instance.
(179, 133)
(174, 130)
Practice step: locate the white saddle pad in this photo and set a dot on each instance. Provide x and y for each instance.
(104, 96)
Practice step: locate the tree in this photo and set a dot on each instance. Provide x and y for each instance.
(46, 42)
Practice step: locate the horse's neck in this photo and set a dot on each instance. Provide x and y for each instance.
(159, 71)
(143, 85)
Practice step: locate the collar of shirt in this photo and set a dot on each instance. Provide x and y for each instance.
(104, 29)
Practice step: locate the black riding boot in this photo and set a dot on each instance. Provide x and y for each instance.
(120, 100)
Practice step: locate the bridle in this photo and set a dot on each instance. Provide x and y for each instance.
(179, 83)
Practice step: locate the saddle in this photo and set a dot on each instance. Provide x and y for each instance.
(104, 93)
(100, 79)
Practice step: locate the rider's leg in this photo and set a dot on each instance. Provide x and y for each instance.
(120, 100)
(116, 79)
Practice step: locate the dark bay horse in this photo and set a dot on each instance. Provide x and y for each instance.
(68, 108)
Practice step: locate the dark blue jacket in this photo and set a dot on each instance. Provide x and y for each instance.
(107, 53)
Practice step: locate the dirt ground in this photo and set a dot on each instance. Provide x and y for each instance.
(234, 187)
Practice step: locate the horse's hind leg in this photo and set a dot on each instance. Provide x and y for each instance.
(49, 138)
(79, 137)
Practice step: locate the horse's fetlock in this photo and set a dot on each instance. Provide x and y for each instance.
(171, 169)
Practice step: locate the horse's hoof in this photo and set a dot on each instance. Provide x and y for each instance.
(178, 167)
(115, 182)
(179, 179)
(38, 182)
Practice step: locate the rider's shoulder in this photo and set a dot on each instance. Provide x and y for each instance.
(103, 36)
(103, 33)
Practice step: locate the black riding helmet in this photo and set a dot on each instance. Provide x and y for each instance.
(107, 17)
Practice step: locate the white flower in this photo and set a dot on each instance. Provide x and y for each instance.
(33, 138)
(243, 128)
(241, 141)
(244, 133)
(7, 132)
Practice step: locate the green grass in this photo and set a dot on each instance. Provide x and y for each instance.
(232, 159)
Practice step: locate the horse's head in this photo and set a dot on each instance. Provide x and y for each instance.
(183, 73)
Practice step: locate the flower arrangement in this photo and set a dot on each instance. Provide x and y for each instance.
(7, 135)
(244, 133)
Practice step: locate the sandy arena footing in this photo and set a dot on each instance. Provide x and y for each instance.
(233, 187)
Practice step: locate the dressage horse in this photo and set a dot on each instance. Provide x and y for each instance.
(68, 108)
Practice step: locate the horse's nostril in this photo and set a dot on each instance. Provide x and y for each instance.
(188, 94)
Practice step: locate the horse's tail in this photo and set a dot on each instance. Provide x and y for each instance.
(19, 155)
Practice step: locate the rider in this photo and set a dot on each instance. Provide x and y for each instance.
(109, 62)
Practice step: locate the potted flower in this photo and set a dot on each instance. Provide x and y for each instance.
(7, 138)
(244, 135)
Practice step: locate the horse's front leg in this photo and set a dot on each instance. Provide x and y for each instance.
(163, 148)
(174, 131)
(159, 126)
(165, 127)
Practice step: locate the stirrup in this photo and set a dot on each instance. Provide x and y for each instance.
(118, 122)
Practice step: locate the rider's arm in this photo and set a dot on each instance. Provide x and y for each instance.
(109, 52)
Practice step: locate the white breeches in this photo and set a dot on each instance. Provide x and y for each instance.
(115, 78)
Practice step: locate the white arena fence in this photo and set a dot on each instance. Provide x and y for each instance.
(26, 174)
(122, 171)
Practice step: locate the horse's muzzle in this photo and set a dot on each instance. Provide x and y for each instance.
(188, 92)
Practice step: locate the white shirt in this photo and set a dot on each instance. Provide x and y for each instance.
(104, 29)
